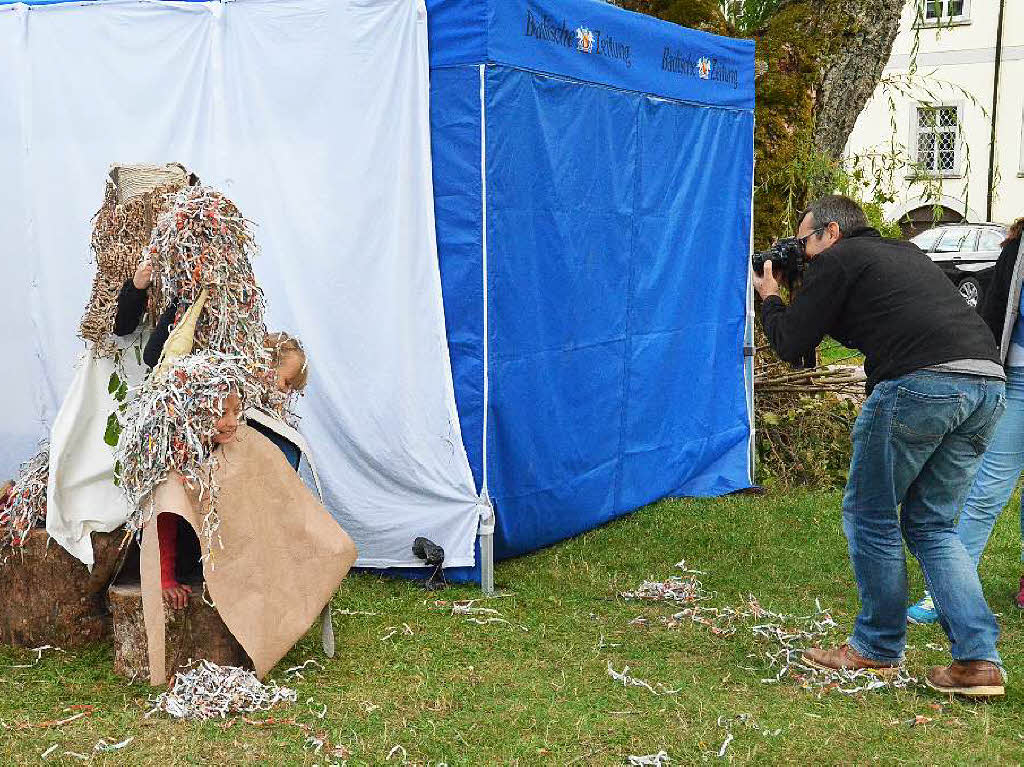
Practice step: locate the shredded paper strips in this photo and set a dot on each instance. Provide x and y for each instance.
(650, 760)
(169, 425)
(23, 506)
(786, 635)
(203, 242)
(122, 228)
(208, 691)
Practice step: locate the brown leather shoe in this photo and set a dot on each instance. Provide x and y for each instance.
(845, 658)
(975, 678)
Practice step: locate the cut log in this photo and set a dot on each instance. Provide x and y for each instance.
(49, 597)
(195, 633)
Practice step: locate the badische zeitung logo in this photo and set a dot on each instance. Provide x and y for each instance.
(701, 67)
(582, 38)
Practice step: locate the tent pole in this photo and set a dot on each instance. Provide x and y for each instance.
(749, 348)
(487, 518)
(487, 564)
(487, 549)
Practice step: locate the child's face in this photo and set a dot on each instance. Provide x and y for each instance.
(227, 424)
(287, 369)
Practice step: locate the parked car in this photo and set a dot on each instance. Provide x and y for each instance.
(966, 253)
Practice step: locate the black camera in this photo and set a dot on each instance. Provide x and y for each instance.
(787, 256)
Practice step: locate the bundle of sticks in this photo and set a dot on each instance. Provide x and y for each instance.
(772, 376)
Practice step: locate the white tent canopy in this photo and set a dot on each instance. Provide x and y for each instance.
(312, 115)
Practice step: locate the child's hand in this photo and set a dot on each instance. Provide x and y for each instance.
(143, 274)
(176, 597)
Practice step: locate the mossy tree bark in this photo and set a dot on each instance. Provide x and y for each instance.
(850, 42)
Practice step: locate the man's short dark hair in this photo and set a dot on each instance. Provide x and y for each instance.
(844, 211)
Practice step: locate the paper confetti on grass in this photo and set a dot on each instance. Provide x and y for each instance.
(787, 635)
(208, 691)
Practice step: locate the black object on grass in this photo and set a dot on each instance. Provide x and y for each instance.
(432, 554)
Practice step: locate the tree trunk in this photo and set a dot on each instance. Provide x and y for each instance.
(853, 41)
(194, 633)
(49, 597)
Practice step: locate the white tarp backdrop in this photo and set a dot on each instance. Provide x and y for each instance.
(312, 115)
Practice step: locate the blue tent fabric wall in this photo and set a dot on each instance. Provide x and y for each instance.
(561, 167)
(613, 189)
(455, 145)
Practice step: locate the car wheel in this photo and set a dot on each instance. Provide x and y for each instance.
(970, 289)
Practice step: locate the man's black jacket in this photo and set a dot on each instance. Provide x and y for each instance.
(885, 298)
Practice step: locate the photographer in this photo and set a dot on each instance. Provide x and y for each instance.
(936, 392)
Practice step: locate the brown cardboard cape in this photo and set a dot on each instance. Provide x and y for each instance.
(282, 559)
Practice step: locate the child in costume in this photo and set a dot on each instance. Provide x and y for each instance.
(291, 373)
(81, 495)
(271, 554)
(176, 593)
(198, 263)
(289, 361)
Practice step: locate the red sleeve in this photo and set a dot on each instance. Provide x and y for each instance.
(167, 533)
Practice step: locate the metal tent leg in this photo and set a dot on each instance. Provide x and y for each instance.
(487, 563)
(486, 545)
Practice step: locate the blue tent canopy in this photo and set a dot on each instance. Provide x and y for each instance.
(593, 171)
(592, 41)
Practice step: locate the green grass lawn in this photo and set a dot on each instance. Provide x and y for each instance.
(536, 690)
(834, 353)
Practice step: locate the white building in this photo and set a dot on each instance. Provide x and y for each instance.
(942, 117)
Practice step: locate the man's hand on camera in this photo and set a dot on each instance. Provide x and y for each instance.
(765, 283)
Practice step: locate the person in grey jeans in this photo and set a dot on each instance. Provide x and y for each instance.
(935, 395)
(1003, 311)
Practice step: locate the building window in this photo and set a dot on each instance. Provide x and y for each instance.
(944, 11)
(938, 134)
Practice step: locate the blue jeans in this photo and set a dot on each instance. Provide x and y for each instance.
(917, 443)
(998, 474)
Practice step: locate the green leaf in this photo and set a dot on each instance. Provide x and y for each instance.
(138, 354)
(117, 473)
(113, 431)
(113, 384)
(770, 418)
(122, 392)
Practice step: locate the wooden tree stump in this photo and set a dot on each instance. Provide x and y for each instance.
(49, 597)
(195, 633)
